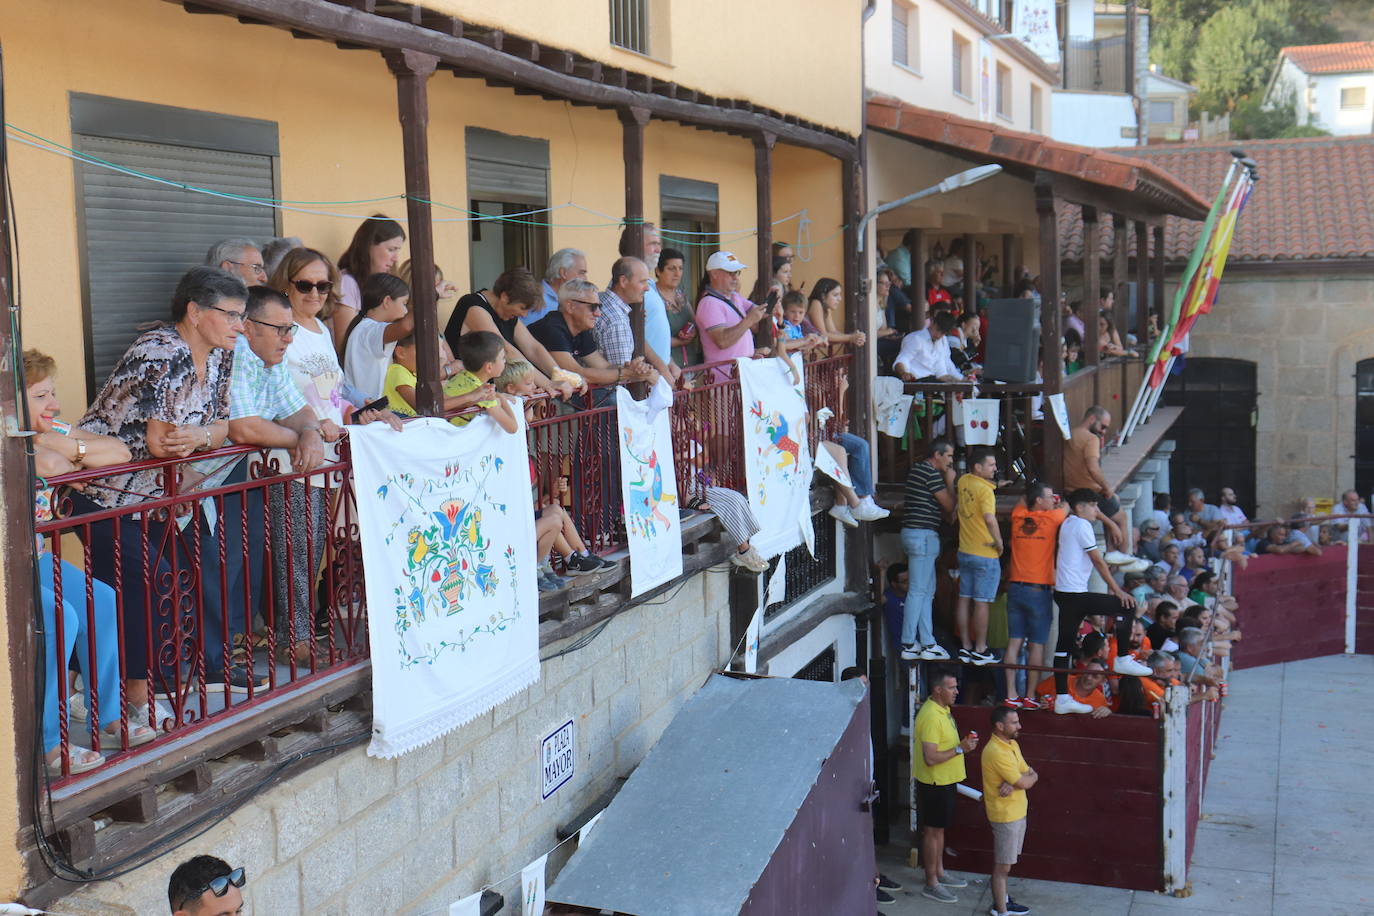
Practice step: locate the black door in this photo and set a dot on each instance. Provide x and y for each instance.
(1216, 434)
(1364, 425)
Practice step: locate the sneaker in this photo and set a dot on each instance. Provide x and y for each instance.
(756, 562)
(885, 897)
(982, 658)
(1064, 704)
(1124, 664)
(1019, 909)
(887, 883)
(239, 680)
(1117, 558)
(869, 511)
(938, 894)
(548, 582)
(934, 653)
(841, 512)
(911, 652)
(1139, 566)
(966, 656)
(1029, 703)
(1012, 703)
(582, 564)
(948, 880)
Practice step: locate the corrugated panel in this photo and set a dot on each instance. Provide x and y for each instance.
(506, 168)
(688, 197)
(141, 236)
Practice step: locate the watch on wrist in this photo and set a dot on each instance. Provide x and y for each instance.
(80, 451)
(207, 437)
(959, 749)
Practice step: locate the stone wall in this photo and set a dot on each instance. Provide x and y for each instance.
(1305, 332)
(356, 835)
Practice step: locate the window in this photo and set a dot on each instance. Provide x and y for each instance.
(630, 24)
(689, 218)
(139, 236)
(906, 35)
(506, 175)
(1003, 91)
(1353, 97)
(963, 63)
(1037, 114)
(1162, 111)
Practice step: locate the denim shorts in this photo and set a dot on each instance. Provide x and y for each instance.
(978, 577)
(1030, 609)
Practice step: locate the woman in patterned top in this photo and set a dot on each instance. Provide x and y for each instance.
(168, 397)
(59, 448)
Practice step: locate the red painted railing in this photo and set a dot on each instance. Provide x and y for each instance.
(173, 581)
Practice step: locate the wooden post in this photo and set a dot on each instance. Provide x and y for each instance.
(763, 193)
(1121, 274)
(917, 292)
(1142, 281)
(1157, 270)
(1052, 469)
(970, 273)
(859, 545)
(1088, 309)
(413, 70)
(1008, 265)
(632, 121)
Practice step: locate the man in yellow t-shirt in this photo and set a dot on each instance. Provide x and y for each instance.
(937, 765)
(1006, 777)
(980, 545)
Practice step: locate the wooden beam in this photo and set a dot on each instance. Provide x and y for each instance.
(338, 23)
(763, 199)
(970, 273)
(1121, 273)
(633, 121)
(1008, 265)
(917, 249)
(1142, 281)
(1088, 309)
(1052, 366)
(853, 205)
(412, 71)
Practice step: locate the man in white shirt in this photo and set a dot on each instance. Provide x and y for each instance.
(1075, 561)
(926, 353)
(1351, 504)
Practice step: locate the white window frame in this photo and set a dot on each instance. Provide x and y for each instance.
(912, 15)
(1364, 98)
(1002, 93)
(961, 73)
(1037, 113)
(1173, 111)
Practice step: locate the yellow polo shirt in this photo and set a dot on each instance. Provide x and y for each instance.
(976, 499)
(935, 724)
(1002, 762)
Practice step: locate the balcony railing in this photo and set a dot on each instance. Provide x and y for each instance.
(167, 589)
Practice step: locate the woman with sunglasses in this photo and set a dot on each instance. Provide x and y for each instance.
(309, 282)
(375, 249)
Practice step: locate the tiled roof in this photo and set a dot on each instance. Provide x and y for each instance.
(1314, 200)
(1025, 153)
(1342, 57)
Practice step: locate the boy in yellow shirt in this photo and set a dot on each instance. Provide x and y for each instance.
(466, 389)
(980, 546)
(1006, 777)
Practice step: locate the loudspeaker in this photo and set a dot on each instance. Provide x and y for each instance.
(1013, 344)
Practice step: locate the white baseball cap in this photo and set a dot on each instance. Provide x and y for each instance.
(724, 260)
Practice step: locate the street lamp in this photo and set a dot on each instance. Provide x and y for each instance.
(953, 182)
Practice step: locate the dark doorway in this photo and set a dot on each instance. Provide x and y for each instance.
(1364, 426)
(1216, 434)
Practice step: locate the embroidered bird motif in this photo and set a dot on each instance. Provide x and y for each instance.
(419, 547)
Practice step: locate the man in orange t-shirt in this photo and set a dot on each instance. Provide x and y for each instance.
(1085, 687)
(1030, 591)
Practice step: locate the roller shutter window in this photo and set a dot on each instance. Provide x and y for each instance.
(140, 237)
(509, 169)
(686, 197)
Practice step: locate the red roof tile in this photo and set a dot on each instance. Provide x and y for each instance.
(1314, 200)
(1023, 152)
(1343, 57)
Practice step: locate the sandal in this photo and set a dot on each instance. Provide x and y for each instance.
(82, 760)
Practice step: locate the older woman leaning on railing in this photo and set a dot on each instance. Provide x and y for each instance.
(168, 397)
(92, 632)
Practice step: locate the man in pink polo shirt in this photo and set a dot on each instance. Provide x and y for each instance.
(726, 319)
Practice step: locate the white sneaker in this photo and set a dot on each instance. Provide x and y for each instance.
(933, 653)
(1124, 664)
(1117, 558)
(1065, 703)
(841, 512)
(869, 511)
(1139, 566)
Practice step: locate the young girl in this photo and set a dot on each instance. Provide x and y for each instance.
(383, 319)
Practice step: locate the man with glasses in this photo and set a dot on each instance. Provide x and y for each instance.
(567, 335)
(206, 886)
(239, 257)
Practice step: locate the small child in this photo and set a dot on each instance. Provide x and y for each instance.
(554, 527)
(483, 355)
(795, 325)
(370, 339)
(400, 389)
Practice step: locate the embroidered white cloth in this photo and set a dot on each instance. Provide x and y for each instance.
(648, 486)
(446, 523)
(890, 406)
(981, 421)
(532, 886)
(1034, 27)
(777, 455)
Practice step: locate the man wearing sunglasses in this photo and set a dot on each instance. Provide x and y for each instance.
(206, 886)
(568, 336)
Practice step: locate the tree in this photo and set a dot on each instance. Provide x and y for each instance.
(1173, 34)
(1232, 59)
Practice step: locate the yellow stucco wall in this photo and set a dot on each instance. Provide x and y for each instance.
(805, 180)
(797, 58)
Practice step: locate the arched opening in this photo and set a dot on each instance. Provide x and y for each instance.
(1216, 434)
(1364, 425)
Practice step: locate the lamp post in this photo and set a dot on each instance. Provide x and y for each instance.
(952, 183)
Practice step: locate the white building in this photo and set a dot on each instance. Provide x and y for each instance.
(1328, 86)
(1103, 71)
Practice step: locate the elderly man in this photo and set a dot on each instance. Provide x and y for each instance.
(566, 264)
(925, 354)
(1282, 539)
(567, 334)
(240, 257)
(658, 335)
(1083, 470)
(614, 337)
(726, 319)
(1147, 545)
(1204, 515)
(1351, 504)
(1178, 592)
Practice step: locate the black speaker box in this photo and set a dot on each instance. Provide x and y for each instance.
(1013, 343)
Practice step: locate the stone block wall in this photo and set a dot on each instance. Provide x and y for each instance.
(357, 836)
(1305, 332)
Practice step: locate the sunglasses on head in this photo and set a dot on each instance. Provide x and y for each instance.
(220, 886)
(304, 287)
